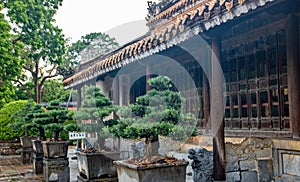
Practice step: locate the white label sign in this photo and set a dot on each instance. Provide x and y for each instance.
(75, 135)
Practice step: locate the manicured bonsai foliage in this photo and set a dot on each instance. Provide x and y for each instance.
(158, 112)
(51, 119)
(95, 107)
(57, 115)
(34, 118)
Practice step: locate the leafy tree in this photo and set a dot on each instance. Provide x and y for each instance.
(20, 124)
(11, 65)
(52, 90)
(84, 49)
(96, 106)
(158, 112)
(44, 44)
(6, 117)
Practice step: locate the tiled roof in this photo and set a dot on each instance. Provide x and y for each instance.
(195, 16)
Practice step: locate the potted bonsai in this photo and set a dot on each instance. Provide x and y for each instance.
(52, 121)
(156, 113)
(22, 124)
(25, 125)
(95, 161)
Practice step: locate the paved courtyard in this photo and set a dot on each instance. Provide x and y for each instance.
(12, 169)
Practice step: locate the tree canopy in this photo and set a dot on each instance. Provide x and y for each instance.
(44, 43)
(11, 65)
(89, 46)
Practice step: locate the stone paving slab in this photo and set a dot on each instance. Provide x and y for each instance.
(12, 169)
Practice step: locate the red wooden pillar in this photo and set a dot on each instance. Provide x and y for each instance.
(217, 110)
(293, 67)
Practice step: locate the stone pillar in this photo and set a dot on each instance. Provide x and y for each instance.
(26, 155)
(27, 150)
(56, 170)
(55, 162)
(293, 67)
(217, 110)
(38, 156)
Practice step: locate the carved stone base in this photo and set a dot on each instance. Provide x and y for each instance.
(56, 170)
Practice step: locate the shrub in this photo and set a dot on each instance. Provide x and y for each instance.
(6, 117)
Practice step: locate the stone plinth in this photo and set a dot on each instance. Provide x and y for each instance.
(38, 163)
(175, 172)
(81, 179)
(26, 155)
(56, 170)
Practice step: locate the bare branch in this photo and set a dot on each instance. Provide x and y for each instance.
(45, 78)
(24, 87)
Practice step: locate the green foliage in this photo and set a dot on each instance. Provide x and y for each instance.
(95, 105)
(20, 124)
(97, 42)
(51, 90)
(11, 65)
(72, 127)
(156, 113)
(6, 117)
(44, 43)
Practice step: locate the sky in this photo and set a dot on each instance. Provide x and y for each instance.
(124, 20)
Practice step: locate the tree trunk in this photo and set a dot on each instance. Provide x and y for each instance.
(35, 76)
(55, 135)
(26, 132)
(42, 134)
(152, 145)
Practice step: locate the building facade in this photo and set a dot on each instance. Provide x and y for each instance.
(256, 43)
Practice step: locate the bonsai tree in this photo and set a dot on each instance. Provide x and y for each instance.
(158, 112)
(34, 120)
(56, 116)
(95, 107)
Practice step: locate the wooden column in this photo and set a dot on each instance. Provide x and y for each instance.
(293, 67)
(206, 102)
(148, 74)
(217, 111)
(115, 89)
(79, 97)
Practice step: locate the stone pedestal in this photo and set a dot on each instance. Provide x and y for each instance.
(56, 169)
(81, 179)
(26, 155)
(38, 163)
(175, 172)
